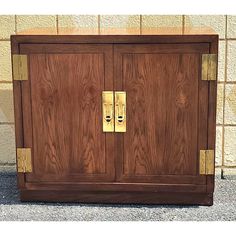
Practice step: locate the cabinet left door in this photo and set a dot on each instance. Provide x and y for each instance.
(62, 112)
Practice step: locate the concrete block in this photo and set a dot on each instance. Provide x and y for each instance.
(231, 27)
(6, 103)
(7, 144)
(120, 24)
(5, 61)
(156, 24)
(220, 97)
(221, 61)
(230, 104)
(7, 26)
(29, 22)
(231, 61)
(79, 24)
(216, 22)
(230, 146)
(219, 140)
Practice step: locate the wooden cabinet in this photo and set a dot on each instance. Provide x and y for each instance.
(115, 119)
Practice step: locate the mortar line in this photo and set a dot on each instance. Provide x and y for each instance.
(99, 25)
(230, 125)
(7, 164)
(140, 24)
(15, 24)
(225, 79)
(57, 24)
(230, 167)
(5, 82)
(226, 82)
(7, 123)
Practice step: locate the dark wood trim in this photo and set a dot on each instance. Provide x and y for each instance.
(113, 38)
(118, 197)
(29, 48)
(212, 115)
(17, 102)
(126, 187)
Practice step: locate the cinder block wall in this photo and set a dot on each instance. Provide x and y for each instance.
(224, 25)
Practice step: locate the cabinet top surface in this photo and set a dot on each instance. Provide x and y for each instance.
(75, 36)
(148, 31)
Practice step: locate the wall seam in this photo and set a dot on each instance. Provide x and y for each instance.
(228, 82)
(57, 24)
(99, 25)
(225, 78)
(5, 82)
(230, 125)
(140, 24)
(15, 24)
(7, 123)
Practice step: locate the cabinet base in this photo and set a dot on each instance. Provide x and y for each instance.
(118, 197)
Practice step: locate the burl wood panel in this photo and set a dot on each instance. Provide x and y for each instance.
(68, 142)
(162, 115)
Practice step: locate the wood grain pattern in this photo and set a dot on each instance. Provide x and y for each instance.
(74, 160)
(162, 112)
(68, 143)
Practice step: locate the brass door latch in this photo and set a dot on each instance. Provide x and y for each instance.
(107, 111)
(114, 116)
(120, 111)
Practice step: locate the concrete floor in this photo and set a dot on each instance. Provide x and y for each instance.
(11, 208)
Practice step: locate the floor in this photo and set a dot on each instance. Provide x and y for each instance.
(11, 208)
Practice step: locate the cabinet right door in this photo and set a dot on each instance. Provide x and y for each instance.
(167, 112)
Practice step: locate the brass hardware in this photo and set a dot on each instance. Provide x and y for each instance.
(108, 111)
(24, 160)
(206, 162)
(20, 67)
(120, 111)
(209, 62)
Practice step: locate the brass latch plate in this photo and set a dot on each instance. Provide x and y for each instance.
(108, 111)
(120, 111)
(206, 162)
(209, 65)
(24, 160)
(20, 67)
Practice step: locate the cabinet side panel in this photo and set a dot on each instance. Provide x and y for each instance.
(17, 99)
(212, 115)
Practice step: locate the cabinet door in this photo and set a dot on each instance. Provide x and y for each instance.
(62, 111)
(167, 109)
